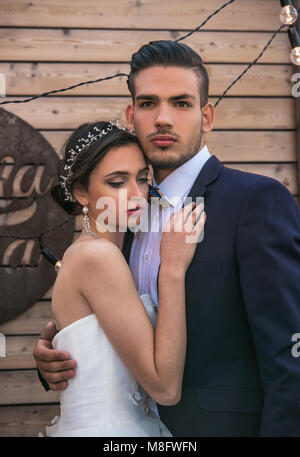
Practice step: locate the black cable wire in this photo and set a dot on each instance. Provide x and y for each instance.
(179, 39)
(204, 22)
(45, 94)
(250, 65)
(114, 76)
(294, 39)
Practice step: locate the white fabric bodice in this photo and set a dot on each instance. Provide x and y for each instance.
(103, 399)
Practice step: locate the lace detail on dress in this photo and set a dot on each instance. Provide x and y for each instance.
(142, 400)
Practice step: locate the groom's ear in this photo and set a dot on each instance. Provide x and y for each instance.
(130, 116)
(208, 113)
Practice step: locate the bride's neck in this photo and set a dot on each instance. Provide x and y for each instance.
(114, 237)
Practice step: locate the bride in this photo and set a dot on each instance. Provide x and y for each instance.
(129, 356)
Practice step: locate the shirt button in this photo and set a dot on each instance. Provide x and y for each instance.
(146, 257)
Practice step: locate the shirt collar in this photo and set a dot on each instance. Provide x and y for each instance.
(180, 181)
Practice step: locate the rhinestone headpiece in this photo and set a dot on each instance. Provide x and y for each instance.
(83, 143)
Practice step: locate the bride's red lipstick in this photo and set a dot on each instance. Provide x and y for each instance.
(136, 210)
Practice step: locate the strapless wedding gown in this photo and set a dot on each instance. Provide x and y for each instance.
(103, 399)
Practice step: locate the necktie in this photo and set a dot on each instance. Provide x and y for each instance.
(154, 191)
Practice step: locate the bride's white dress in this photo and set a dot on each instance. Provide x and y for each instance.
(103, 399)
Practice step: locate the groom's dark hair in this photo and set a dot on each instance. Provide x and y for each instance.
(166, 53)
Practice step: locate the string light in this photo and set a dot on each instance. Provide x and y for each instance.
(288, 15)
(295, 42)
(295, 55)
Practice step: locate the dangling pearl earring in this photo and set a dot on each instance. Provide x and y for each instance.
(86, 222)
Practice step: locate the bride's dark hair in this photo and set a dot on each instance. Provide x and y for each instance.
(87, 159)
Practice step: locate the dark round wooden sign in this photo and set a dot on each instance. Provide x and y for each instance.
(28, 169)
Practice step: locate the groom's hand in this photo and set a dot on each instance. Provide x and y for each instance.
(55, 366)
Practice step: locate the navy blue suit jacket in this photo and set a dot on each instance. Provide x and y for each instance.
(243, 307)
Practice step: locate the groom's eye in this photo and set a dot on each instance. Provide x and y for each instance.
(183, 104)
(146, 104)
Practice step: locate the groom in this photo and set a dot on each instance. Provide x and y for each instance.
(243, 285)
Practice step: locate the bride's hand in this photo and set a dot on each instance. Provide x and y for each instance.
(180, 237)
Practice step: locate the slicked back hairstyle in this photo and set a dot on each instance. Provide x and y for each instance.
(166, 53)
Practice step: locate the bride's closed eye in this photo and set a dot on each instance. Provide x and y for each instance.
(143, 180)
(116, 184)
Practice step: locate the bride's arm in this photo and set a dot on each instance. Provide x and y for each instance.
(155, 358)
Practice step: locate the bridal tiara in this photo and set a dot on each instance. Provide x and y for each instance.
(83, 143)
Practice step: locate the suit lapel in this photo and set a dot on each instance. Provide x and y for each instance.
(209, 173)
(128, 239)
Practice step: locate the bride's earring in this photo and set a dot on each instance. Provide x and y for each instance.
(86, 222)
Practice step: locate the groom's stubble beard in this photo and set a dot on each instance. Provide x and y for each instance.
(167, 161)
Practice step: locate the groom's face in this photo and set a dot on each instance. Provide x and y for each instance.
(167, 115)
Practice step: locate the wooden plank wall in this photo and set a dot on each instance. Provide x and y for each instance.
(50, 45)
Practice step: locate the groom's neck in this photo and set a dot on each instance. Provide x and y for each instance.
(160, 174)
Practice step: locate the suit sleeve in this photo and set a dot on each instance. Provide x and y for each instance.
(43, 381)
(268, 255)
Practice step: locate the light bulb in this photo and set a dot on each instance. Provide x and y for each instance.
(288, 15)
(295, 55)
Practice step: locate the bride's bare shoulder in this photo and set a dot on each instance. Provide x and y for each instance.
(90, 251)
